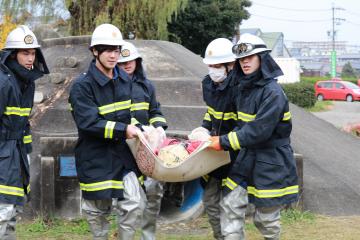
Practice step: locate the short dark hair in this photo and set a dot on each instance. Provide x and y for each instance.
(103, 48)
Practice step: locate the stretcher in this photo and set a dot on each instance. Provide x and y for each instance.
(200, 162)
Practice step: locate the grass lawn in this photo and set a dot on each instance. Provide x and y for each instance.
(321, 106)
(295, 225)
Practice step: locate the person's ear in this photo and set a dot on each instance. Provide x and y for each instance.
(95, 52)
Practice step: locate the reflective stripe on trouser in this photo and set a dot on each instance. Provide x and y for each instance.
(129, 210)
(267, 221)
(96, 212)
(154, 194)
(7, 221)
(232, 214)
(211, 201)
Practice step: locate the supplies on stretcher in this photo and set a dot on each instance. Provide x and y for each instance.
(173, 160)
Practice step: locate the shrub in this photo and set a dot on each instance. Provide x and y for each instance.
(301, 94)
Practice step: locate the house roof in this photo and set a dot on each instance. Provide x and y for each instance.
(270, 38)
(253, 31)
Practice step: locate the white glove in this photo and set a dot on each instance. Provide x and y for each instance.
(154, 136)
(148, 129)
(200, 133)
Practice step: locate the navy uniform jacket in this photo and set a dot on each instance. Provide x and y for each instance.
(145, 109)
(16, 102)
(263, 138)
(220, 117)
(101, 109)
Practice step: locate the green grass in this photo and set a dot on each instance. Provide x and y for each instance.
(52, 229)
(321, 106)
(292, 216)
(305, 223)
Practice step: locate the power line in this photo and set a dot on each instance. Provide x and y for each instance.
(292, 20)
(292, 9)
(357, 24)
(353, 13)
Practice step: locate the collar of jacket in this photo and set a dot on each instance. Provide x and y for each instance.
(124, 75)
(99, 77)
(134, 78)
(23, 74)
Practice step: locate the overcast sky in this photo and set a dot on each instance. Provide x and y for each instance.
(306, 20)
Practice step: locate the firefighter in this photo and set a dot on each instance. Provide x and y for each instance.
(22, 62)
(100, 100)
(263, 141)
(219, 119)
(145, 111)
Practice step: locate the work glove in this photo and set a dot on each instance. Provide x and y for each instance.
(215, 143)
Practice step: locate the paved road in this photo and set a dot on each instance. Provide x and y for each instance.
(343, 113)
(331, 159)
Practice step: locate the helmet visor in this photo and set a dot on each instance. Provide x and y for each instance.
(243, 48)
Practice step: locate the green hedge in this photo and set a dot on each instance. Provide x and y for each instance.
(301, 93)
(315, 79)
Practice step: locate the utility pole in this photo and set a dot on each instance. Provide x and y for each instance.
(333, 52)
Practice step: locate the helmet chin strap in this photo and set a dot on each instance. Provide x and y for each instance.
(226, 68)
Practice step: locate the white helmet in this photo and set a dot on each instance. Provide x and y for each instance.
(106, 34)
(249, 44)
(128, 52)
(21, 38)
(219, 51)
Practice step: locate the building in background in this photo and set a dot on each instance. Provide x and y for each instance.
(315, 57)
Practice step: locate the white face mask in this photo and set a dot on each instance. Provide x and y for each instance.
(217, 74)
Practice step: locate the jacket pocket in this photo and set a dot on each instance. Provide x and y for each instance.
(270, 156)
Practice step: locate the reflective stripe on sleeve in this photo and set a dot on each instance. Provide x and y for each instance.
(207, 117)
(157, 119)
(109, 129)
(234, 141)
(287, 116)
(134, 121)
